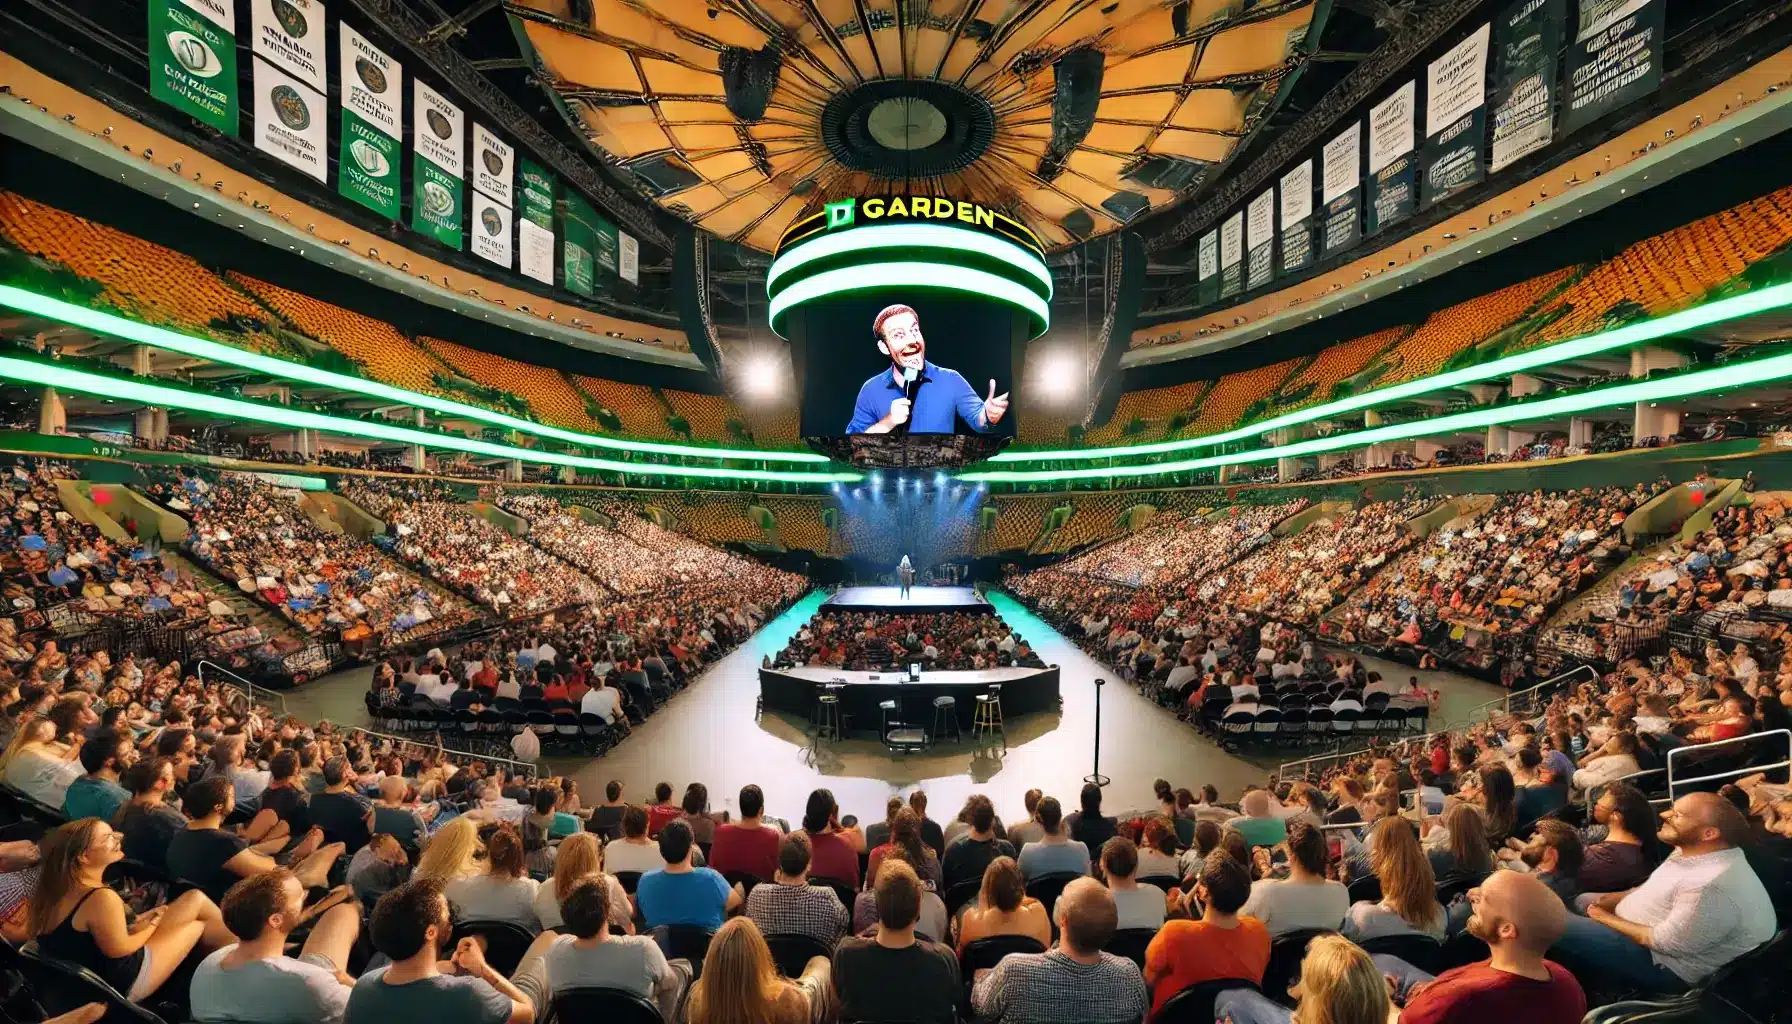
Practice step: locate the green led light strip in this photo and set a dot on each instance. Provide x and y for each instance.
(1758, 371)
(1759, 301)
(910, 275)
(135, 390)
(909, 236)
(204, 348)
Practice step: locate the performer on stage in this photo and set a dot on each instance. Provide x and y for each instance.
(905, 575)
(896, 400)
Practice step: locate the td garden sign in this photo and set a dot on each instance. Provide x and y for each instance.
(843, 213)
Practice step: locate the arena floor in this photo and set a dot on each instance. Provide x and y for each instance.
(708, 734)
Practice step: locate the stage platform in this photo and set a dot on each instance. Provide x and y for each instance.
(794, 690)
(920, 600)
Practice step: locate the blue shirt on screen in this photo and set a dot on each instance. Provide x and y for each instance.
(944, 396)
(699, 897)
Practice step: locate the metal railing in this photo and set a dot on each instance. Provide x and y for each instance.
(1680, 754)
(514, 767)
(256, 694)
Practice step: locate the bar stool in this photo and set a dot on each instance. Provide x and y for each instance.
(945, 709)
(888, 710)
(988, 716)
(827, 711)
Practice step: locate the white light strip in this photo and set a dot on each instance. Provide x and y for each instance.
(909, 236)
(910, 275)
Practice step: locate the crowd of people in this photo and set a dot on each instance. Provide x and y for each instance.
(630, 555)
(1188, 549)
(876, 639)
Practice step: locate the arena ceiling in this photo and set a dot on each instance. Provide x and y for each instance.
(1079, 116)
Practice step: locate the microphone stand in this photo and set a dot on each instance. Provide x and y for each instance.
(1095, 775)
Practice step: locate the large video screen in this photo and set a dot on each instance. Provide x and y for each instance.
(883, 362)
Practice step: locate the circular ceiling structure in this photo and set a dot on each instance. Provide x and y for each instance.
(1074, 117)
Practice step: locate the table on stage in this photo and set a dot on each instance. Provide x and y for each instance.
(795, 689)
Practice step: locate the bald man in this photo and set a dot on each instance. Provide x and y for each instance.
(1519, 918)
(1703, 907)
(1075, 981)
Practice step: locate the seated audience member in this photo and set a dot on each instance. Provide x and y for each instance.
(662, 810)
(38, 766)
(606, 818)
(1055, 853)
(593, 954)
(1622, 860)
(831, 854)
(1029, 831)
(1460, 847)
(1157, 848)
(1338, 984)
(966, 858)
(1306, 898)
(905, 834)
(78, 919)
(1703, 907)
(748, 845)
(893, 976)
(1139, 906)
(789, 905)
(677, 892)
(255, 981)
(931, 833)
(409, 925)
(1553, 854)
(97, 794)
(213, 858)
(741, 984)
(377, 868)
(285, 807)
(1004, 908)
(391, 815)
(504, 891)
(934, 919)
(634, 851)
(1076, 980)
(452, 852)
(1408, 901)
(1088, 825)
(1259, 824)
(345, 816)
(1222, 943)
(146, 823)
(580, 855)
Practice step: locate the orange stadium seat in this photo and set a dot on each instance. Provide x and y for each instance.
(1019, 519)
(1459, 328)
(799, 522)
(716, 518)
(708, 415)
(1317, 382)
(642, 414)
(1149, 406)
(1097, 517)
(550, 396)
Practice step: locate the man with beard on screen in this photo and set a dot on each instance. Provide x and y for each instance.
(940, 396)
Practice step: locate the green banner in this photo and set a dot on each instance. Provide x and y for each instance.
(579, 247)
(436, 202)
(367, 168)
(604, 237)
(537, 203)
(192, 59)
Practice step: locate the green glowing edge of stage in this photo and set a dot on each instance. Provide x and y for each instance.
(911, 274)
(908, 236)
(48, 375)
(1762, 300)
(1757, 371)
(203, 348)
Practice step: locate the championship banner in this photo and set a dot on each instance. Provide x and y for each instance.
(1260, 239)
(1391, 160)
(192, 59)
(492, 165)
(289, 121)
(1232, 255)
(628, 257)
(490, 228)
(438, 165)
(1615, 59)
(604, 244)
(492, 214)
(1341, 167)
(1297, 217)
(1455, 118)
(1525, 40)
(289, 34)
(578, 246)
(535, 223)
(1207, 268)
(372, 124)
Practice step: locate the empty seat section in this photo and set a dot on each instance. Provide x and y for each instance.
(377, 346)
(552, 399)
(642, 414)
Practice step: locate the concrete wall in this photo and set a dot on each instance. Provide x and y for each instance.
(1303, 519)
(1666, 512)
(73, 495)
(514, 525)
(121, 503)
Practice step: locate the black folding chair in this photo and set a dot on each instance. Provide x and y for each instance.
(612, 1005)
(1131, 943)
(1194, 1004)
(505, 942)
(792, 953)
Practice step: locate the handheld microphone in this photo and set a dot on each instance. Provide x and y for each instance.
(911, 383)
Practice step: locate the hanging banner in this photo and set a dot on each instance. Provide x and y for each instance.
(289, 121)
(492, 170)
(1615, 59)
(289, 34)
(372, 124)
(1207, 268)
(438, 165)
(535, 223)
(628, 257)
(579, 245)
(1232, 255)
(1260, 239)
(192, 59)
(1391, 159)
(1525, 41)
(1297, 217)
(1342, 168)
(1455, 118)
(490, 228)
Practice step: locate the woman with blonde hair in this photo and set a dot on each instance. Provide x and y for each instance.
(1338, 984)
(450, 853)
(740, 984)
(36, 765)
(1460, 846)
(580, 855)
(1408, 903)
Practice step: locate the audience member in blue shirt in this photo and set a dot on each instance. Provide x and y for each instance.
(98, 794)
(1057, 853)
(680, 893)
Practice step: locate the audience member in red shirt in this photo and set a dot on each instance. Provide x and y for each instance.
(1222, 944)
(1519, 918)
(555, 690)
(833, 856)
(662, 809)
(748, 845)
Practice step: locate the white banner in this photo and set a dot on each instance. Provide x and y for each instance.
(1343, 162)
(1456, 83)
(490, 228)
(1297, 194)
(535, 251)
(1210, 255)
(628, 257)
(289, 121)
(1391, 127)
(221, 13)
(289, 34)
(1598, 15)
(1260, 224)
(440, 130)
(372, 83)
(1232, 240)
(493, 167)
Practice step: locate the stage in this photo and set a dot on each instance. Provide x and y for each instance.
(921, 600)
(794, 690)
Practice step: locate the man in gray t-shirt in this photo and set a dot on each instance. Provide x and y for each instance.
(593, 957)
(254, 981)
(409, 925)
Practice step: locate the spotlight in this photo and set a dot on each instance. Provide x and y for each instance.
(760, 377)
(877, 479)
(939, 479)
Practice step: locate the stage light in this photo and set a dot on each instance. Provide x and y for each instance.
(877, 479)
(939, 479)
(1060, 376)
(762, 376)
